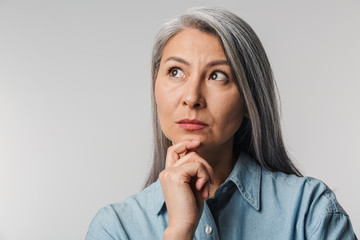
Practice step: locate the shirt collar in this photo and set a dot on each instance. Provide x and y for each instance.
(246, 175)
(159, 200)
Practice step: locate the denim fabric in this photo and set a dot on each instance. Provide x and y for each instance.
(252, 203)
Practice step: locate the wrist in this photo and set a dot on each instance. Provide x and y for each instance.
(177, 233)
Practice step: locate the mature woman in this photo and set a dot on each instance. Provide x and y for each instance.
(219, 155)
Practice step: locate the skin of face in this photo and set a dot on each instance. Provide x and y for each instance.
(195, 82)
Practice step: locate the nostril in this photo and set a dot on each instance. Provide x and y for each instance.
(196, 105)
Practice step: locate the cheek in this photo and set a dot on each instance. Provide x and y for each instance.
(164, 105)
(167, 97)
(232, 113)
(160, 95)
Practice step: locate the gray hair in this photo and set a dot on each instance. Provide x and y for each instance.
(259, 134)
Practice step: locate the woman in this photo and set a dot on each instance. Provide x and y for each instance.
(218, 139)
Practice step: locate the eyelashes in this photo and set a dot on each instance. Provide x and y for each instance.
(217, 75)
(223, 76)
(176, 72)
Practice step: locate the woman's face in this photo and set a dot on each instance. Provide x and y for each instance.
(196, 96)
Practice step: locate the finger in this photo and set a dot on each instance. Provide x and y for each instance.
(205, 191)
(196, 171)
(188, 172)
(173, 152)
(194, 157)
(190, 151)
(200, 183)
(198, 197)
(203, 186)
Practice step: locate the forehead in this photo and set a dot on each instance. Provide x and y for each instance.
(193, 43)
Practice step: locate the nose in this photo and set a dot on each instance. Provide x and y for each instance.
(194, 94)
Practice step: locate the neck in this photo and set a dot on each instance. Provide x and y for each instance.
(221, 159)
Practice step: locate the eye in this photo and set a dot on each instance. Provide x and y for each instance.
(176, 72)
(218, 76)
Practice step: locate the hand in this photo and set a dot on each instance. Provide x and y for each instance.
(185, 183)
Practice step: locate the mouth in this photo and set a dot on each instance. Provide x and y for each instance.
(192, 125)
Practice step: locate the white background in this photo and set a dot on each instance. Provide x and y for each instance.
(75, 124)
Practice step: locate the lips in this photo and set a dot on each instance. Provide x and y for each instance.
(192, 125)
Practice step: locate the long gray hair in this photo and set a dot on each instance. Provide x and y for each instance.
(259, 134)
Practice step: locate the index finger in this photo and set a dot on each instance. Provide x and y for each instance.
(174, 151)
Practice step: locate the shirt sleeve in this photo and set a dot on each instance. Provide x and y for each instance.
(325, 218)
(106, 226)
(334, 226)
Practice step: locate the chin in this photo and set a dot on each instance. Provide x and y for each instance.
(190, 137)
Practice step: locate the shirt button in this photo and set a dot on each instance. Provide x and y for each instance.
(208, 229)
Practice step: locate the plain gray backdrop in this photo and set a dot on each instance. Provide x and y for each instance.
(75, 121)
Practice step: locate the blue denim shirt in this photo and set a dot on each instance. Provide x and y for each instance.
(252, 203)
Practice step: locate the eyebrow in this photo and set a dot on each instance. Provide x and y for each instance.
(210, 64)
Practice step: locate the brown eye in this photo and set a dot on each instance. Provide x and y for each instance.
(176, 73)
(218, 76)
